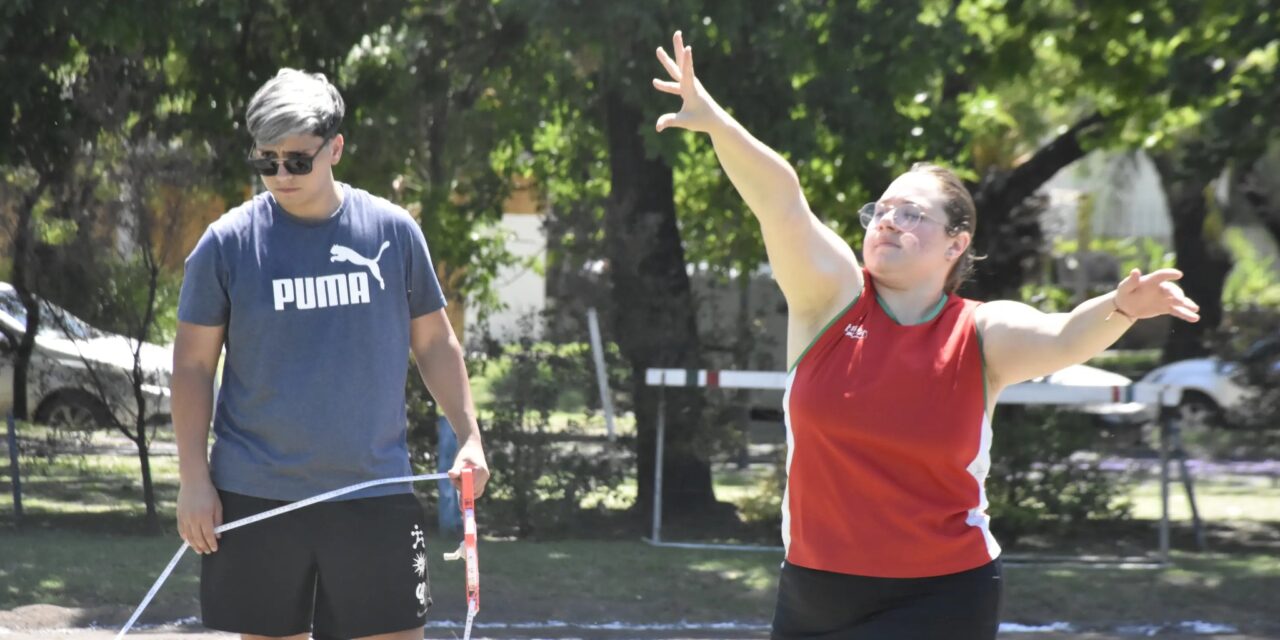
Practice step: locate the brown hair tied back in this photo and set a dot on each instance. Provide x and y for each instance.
(962, 215)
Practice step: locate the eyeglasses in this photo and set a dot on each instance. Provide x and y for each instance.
(296, 165)
(906, 216)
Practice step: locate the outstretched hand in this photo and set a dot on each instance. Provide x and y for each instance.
(699, 111)
(1155, 294)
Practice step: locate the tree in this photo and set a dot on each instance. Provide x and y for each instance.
(44, 125)
(82, 109)
(1194, 83)
(147, 183)
(653, 309)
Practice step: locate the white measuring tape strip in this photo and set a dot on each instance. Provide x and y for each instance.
(469, 515)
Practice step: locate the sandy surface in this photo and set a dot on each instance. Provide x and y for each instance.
(45, 622)
(160, 634)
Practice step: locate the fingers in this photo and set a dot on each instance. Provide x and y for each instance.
(670, 65)
(1130, 281)
(208, 539)
(1163, 275)
(182, 532)
(186, 529)
(686, 69)
(666, 87)
(1176, 293)
(217, 518)
(668, 120)
(482, 479)
(1180, 306)
(677, 46)
(198, 532)
(1185, 312)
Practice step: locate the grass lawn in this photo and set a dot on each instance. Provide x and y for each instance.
(1238, 498)
(83, 546)
(598, 581)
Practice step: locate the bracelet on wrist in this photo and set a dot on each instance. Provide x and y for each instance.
(1115, 308)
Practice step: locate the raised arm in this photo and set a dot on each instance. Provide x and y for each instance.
(1021, 342)
(815, 268)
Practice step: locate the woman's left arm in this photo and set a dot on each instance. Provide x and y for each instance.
(1020, 342)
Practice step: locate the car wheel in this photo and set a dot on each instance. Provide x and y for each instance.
(1198, 409)
(73, 414)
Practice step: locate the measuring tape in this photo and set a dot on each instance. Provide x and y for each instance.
(468, 550)
(469, 540)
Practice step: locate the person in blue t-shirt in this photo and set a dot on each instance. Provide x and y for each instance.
(318, 291)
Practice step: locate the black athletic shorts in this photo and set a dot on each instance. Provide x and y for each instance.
(831, 606)
(341, 569)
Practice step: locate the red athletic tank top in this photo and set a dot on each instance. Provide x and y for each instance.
(888, 445)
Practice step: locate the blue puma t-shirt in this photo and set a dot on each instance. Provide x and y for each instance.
(317, 342)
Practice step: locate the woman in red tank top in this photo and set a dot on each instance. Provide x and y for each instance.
(891, 389)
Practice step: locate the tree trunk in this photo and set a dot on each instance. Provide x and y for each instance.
(148, 487)
(22, 255)
(653, 309)
(1009, 233)
(1186, 175)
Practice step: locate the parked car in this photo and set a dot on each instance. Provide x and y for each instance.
(1214, 388)
(79, 376)
(1087, 376)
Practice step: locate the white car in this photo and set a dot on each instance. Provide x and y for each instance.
(79, 377)
(1212, 389)
(1078, 375)
(1209, 386)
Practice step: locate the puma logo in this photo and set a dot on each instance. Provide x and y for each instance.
(325, 291)
(339, 253)
(335, 290)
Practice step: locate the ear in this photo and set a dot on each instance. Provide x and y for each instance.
(958, 244)
(335, 148)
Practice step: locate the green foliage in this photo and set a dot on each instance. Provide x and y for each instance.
(123, 300)
(1146, 254)
(763, 505)
(544, 462)
(1133, 363)
(1040, 481)
(1049, 298)
(1254, 281)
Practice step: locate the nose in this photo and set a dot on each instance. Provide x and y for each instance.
(888, 220)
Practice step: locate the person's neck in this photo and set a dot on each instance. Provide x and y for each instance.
(321, 207)
(910, 304)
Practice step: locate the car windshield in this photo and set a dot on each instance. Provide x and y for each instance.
(54, 320)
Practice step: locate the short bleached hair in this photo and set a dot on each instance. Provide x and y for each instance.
(292, 103)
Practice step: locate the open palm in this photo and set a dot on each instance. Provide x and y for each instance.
(1155, 294)
(698, 112)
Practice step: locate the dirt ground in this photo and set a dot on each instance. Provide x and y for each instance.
(45, 622)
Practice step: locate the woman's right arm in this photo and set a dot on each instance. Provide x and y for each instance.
(815, 268)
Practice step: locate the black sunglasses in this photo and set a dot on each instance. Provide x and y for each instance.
(295, 165)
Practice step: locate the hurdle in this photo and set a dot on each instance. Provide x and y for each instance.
(1033, 393)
